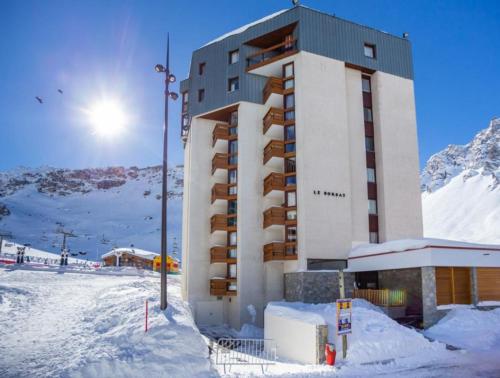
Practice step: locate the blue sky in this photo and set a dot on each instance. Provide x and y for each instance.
(107, 49)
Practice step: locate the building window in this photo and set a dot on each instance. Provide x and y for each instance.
(372, 207)
(369, 144)
(201, 95)
(233, 119)
(232, 271)
(290, 132)
(201, 68)
(373, 237)
(370, 51)
(233, 176)
(288, 84)
(231, 253)
(232, 222)
(185, 99)
(234, 56)
(291, 215)
(368, 114)
(290, 180)
(289, 148)
(233, 238)
(291, 199)
(365, 80)
(289, 101)
(290, 165)
(232, 207)
(233, 84)
(291, 233)
(288, 70)
(370, 173)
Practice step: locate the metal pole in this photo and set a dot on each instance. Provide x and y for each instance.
(163, 270)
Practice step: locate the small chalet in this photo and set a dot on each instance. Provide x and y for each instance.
(135, 257)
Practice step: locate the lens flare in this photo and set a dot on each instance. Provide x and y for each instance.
(107, 118)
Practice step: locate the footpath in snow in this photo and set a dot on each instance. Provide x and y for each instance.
(83, 325)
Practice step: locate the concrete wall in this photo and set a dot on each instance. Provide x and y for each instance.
(396, 149)
(408, 279)
(323, 158)
(316, 287)
(296, 340)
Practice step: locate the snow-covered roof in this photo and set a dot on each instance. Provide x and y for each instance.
(413, 244)
(413, 253)
(148, 255)
(245, 27)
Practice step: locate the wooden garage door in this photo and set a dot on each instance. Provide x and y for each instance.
(488, 284)
(453, 285)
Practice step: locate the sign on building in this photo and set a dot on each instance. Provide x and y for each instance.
(344, 316)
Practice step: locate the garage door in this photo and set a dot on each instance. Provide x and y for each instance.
(453, 285)
(488, 284)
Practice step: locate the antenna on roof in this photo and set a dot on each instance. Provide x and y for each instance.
(406, 35)
(295, 2)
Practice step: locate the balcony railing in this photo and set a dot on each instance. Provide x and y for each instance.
(273, 85)
(278, 251)
(220, 286)
(271, 54)
(221, 254)
(218, 222)
(221, 132)
(221, 192)
(275, 148)
(274, 116)
(274, 216)
(219, 161)
(382, 297)
(274, 181)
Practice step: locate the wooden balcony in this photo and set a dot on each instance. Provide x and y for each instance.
(219, 161)
(280, 251)
(274, 149)
(218, 222)
(219, 287)
(220, 133)
(274, 181)
(274, 116)
(274, 216)
(273, 85)
(221, 192)
(221, 254)
(272, 54)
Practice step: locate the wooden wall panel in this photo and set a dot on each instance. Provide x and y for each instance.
(488, 284)
(443, 286)
(453, 286)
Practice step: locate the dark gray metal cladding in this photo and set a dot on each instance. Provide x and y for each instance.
(318, 33)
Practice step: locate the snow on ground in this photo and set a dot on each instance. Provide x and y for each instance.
(378, 346)
(469, 328)
(85, 325)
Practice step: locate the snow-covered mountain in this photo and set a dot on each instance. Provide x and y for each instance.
(103, 207)
(461, 190)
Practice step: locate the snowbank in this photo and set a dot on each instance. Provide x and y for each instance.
(375, 336)
(468, 328)
(76, 325)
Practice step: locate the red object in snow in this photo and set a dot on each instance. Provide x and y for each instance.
(330, 354)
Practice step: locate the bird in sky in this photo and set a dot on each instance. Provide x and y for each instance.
(60, 91)
(39, 99)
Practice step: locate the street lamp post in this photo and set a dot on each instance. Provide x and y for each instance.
(169, 78)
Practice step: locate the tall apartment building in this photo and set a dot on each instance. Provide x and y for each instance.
(300, 143)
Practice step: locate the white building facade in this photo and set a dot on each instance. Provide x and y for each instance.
(300, 143)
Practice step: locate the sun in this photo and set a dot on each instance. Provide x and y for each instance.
(107, 118)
